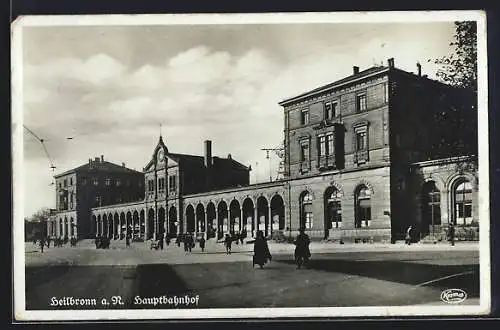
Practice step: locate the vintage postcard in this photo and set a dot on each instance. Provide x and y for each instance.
(250, 166)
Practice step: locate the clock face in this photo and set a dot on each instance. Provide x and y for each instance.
(160, 155)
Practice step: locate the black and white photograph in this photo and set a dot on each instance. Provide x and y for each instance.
(202, 166)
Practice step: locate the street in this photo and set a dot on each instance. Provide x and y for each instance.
(343, 277)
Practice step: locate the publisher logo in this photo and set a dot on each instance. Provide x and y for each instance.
(453, 296)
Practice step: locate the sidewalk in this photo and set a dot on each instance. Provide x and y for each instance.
(376, 247)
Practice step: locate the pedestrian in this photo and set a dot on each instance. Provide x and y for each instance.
(167, 240)
(302, 252)
(160, 242)
(408, 235)
(227, 242)
(202, 244)
(191, 241)
(178, 240)
(451, 234)
(48, 241)
(261, 252)
(127, 240)
(186, 242)
(42, 243)
(242, 236)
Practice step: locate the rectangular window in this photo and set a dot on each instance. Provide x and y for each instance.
(65, 183)
(304, 117)
(304, 152)
(151, 185)
(98, 200)
(361, 141)
(322, 145)
(118, 182)
(70, 181)
(386, 92)
(107, 182)
(96, 181)
(84, 182)
(161, 184)
(331, 109)
(60, 185)
(308, 220)
(172, 183)
(361, 102)
(329, 149)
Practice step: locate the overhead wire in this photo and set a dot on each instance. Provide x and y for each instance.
(42, 142)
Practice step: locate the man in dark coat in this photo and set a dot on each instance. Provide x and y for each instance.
(228, 242)
(451, 234)
(302, 252)
(261, 253)
(202, 244)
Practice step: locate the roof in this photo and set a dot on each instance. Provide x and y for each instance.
(195, 161)
(360, 75)
(99, 166)
(218, 162)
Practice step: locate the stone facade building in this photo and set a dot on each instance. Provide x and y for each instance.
(365, 157)
(90, 185)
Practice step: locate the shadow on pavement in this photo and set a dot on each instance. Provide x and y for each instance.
(60, 281)
(405, 272)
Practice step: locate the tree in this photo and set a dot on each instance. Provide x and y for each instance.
(458, 109)
(36, 226)
(460, 68)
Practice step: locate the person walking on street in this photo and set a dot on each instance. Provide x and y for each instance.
(408, 235)
(190, 242)
(261, 253)
(228, 241)
(202, 244)
(451, 234)
(302, 252)
(42, 243)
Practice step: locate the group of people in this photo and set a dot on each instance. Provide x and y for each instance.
(187, 240)
(410, 233)
(233, 237)
(261, 253)
(45, 241)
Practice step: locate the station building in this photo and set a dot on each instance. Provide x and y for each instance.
(365, 157)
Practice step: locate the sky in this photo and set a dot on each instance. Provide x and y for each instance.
(110, 87)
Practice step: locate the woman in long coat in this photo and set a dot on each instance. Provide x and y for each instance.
(260, 250)
(302, 252)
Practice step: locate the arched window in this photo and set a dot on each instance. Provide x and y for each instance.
(334, 208)
(306, 212)
(463, 203)
(431, 207)
(363, 210)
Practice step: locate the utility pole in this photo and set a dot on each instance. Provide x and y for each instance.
(279, 151)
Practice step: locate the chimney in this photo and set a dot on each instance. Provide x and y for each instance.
(102, 158)
(419, 69)
(208, 153)
(123, 164)
(96, 159)
(355, 69)
(229, 156)
(390, 62)
(90, 160)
